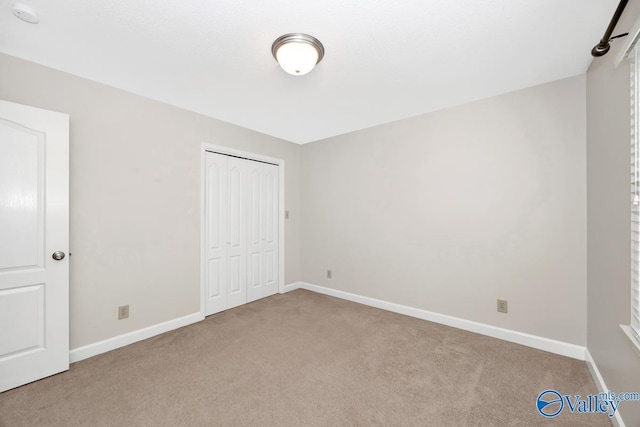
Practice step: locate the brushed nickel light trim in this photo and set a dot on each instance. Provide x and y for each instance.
(297, 38)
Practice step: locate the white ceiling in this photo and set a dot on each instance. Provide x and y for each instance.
(385, 59)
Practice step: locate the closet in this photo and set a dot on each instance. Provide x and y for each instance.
(240, 231)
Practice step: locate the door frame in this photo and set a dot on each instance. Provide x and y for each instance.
(206, 146)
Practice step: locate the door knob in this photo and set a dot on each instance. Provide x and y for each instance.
(57, 255)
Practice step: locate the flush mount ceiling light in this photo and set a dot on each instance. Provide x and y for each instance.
(297, 53)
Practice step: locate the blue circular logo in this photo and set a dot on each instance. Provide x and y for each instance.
(549, 403)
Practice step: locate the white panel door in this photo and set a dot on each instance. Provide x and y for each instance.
(216, 233)
(262, 239)
(34, 223)
(241, 231)
(237, 232)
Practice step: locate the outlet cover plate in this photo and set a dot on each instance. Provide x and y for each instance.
(503, 306)
(123, 312)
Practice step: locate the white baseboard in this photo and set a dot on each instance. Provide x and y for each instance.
(292, 286)
(602, 387)
(534, 341)
(90, 350)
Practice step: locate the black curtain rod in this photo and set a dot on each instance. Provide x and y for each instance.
(603, 47)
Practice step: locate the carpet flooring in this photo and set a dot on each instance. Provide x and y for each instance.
(305, 359)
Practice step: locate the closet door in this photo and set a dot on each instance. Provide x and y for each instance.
(216, 248)
(262, 218)
(241, 231)
(237, 232)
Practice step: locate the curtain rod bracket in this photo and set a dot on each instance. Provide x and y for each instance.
(603, 47)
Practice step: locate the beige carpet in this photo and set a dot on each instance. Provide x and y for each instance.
(304, 359)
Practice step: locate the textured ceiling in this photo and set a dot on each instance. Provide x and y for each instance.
(385, 59)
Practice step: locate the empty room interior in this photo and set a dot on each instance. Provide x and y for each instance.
(319, 213)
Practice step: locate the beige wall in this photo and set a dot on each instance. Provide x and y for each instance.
(135, 197)
(451, 210)
(445, 212)
(608, 214)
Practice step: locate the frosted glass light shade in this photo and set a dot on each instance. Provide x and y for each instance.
(297, 58)
(297, 53)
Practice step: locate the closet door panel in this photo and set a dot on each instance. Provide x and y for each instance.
(271, 204)
(263, 226)
(215, 228)
(214, 279)
(254, 204)
(255, 270)
(270, 233)
(236, 232)
(255, 227)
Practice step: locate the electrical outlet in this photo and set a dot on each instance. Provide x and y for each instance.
(123, 312)
(329, 274)
(503, 306)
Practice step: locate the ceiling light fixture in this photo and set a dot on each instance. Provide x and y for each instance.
(297, 53)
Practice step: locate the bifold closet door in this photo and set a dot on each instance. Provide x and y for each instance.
(241, 231)
(226, 238)
(262, 218)
(236, 232)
